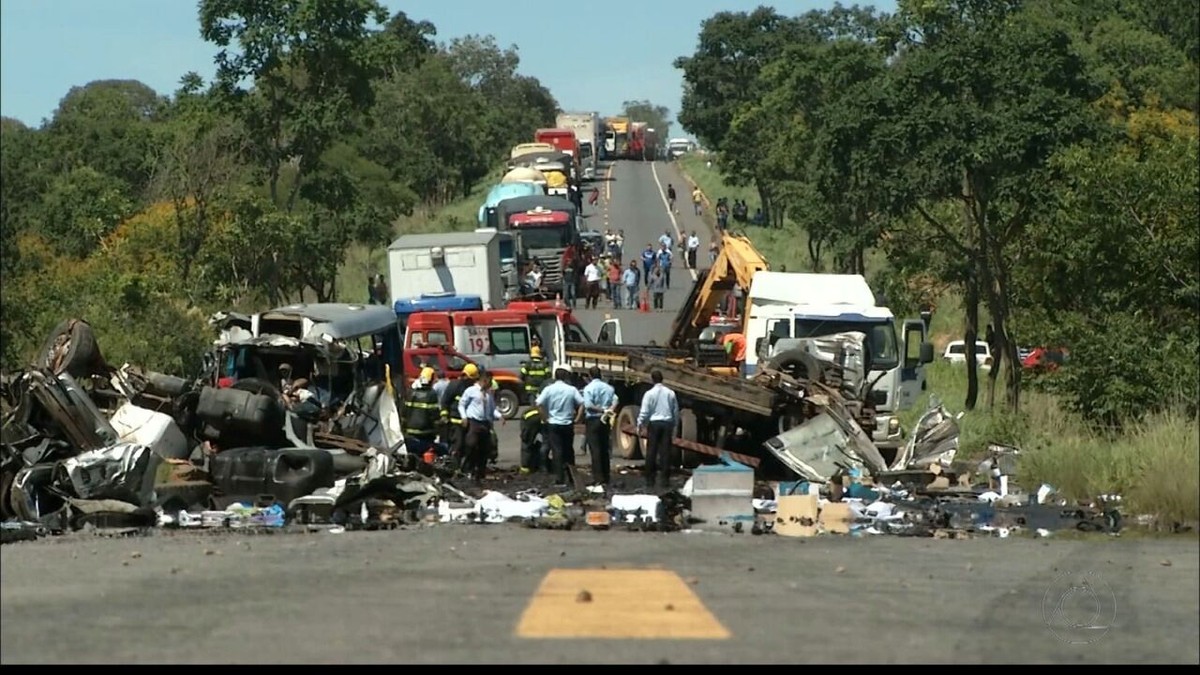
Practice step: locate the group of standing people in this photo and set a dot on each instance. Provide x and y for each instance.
(548, 430)
(461, 412)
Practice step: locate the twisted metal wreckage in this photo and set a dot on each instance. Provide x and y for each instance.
(85, 444)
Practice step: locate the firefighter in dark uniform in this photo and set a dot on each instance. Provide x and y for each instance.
(454, 432)
(534, 373)
(531, 441)
(421, 415)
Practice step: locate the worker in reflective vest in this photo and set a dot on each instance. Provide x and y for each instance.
(420, 415)
(534, 373)
(452, 424)
(531, 441)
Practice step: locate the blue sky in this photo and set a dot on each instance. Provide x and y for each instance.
(615, 50)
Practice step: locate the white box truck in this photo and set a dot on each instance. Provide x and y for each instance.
(448, 264)
(586, 126)
(787, 309)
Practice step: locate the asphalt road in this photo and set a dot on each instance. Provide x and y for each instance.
(631, 199)
(470, 594)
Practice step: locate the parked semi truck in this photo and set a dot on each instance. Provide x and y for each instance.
(616, 137)
(643, 142)
(586, 126)
(544, 228)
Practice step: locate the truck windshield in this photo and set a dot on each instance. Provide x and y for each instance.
(544, 237)
(881, 337)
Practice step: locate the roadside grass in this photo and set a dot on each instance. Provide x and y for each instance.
(362, 261)
(1153, 465)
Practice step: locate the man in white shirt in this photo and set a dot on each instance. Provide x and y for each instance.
(592, 275)
(561, 405)
(666, 239)
(658, 417)
(478, 411)
(693, 246)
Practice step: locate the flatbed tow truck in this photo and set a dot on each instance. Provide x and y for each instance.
(721, 412)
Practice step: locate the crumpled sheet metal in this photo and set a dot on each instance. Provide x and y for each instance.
(934, 439)
(826, 444)
(117, 472)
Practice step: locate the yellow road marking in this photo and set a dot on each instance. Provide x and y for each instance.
(647, 604)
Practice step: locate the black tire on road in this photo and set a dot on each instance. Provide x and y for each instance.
(508, 402)
(627, 446)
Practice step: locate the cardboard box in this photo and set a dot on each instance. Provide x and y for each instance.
(796, 515)
(836, 518)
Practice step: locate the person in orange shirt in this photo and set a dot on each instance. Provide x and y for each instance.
(735, 347)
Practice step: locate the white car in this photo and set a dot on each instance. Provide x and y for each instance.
(956, 352)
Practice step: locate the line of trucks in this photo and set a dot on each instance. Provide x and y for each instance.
(817, 345)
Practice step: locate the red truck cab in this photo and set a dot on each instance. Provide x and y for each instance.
(563, 140)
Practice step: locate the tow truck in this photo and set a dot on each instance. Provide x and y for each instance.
(721, 411)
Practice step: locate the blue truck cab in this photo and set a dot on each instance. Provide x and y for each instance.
(435, 302)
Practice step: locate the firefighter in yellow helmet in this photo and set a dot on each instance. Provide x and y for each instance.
(420, 415)
(534, 373)
(452, 423)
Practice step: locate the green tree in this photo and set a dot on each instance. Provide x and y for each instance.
(657, 117)
(986, 96)
(81, 208)
(199, 160)
(1112, 273)
(511, 106)
(311, 62)
(719, 78)
(107, 125)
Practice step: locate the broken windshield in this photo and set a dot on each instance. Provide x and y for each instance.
(881, 337)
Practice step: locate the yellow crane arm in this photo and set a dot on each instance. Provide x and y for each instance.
(736, 264)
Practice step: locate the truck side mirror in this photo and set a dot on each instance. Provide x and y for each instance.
(926, 352)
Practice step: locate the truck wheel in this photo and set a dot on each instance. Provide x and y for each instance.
(688, 431)
(790, 418)
(628, 446)
(508, 403)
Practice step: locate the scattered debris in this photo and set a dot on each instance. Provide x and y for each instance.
(584, 596)
(122, 450)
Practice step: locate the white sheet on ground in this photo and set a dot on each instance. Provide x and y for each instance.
(632, 504)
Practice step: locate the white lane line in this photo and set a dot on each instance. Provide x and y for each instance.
(674, 223)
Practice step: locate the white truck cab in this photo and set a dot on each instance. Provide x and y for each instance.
(786, 308)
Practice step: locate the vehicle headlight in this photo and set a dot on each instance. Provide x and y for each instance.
(893, 425)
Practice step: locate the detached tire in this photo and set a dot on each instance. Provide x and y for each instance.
(71, 348)
(628, 446)
(799, 364)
